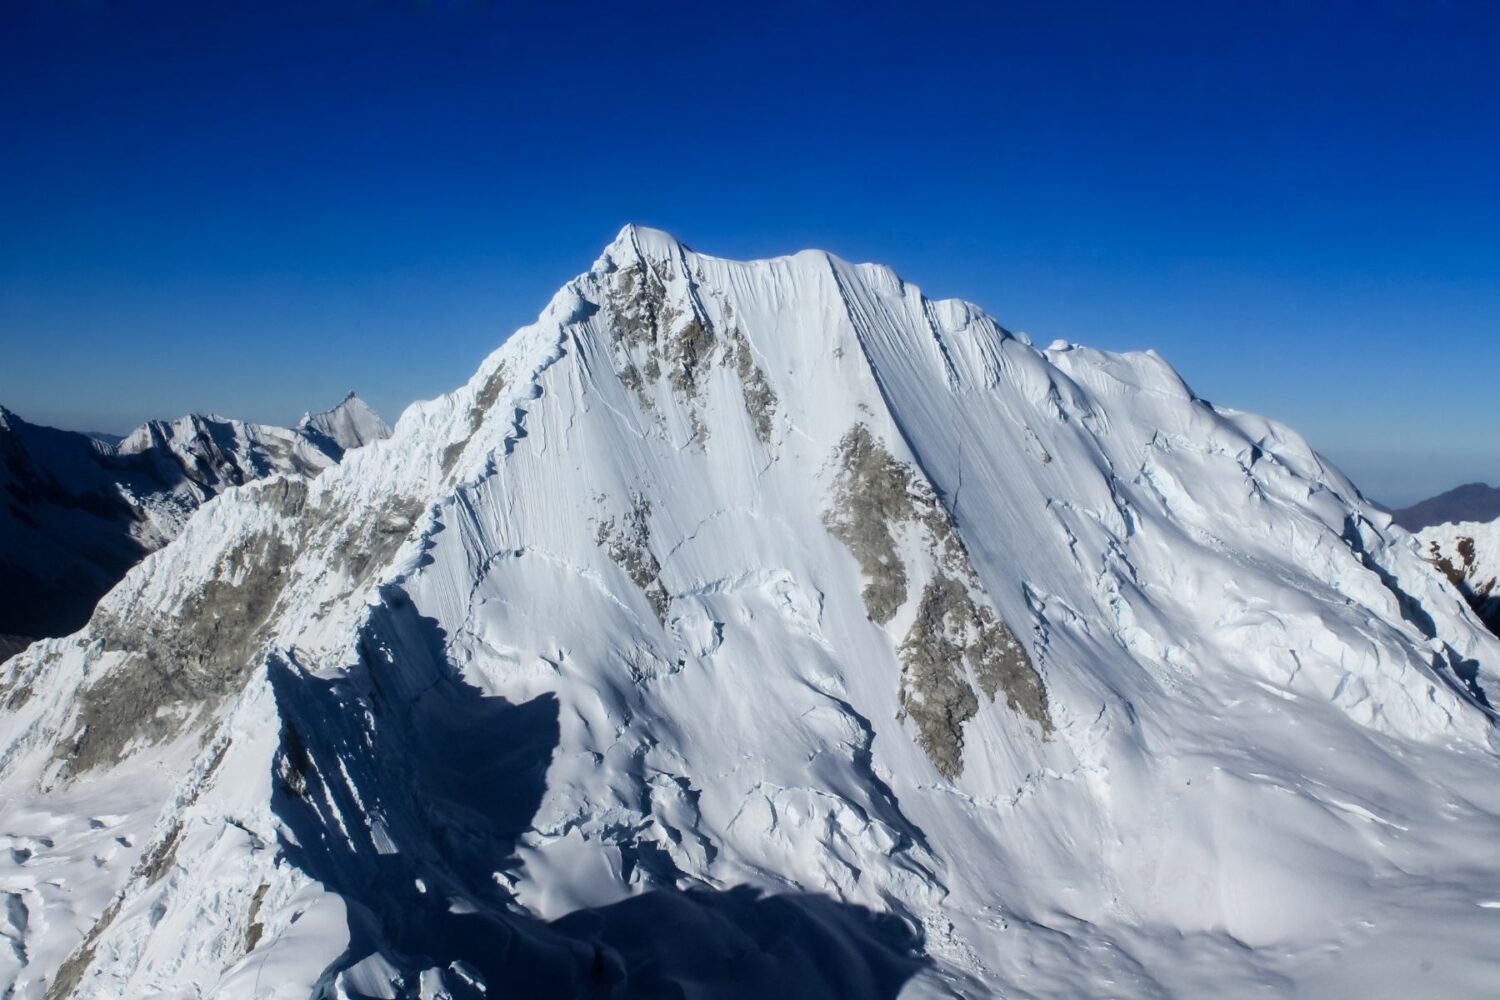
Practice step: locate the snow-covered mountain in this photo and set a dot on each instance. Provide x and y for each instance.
(79, 511)
(768, 629)
(1468, 553)
(1470, 502)
(351, 424)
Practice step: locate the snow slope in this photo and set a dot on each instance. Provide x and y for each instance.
(745, 629)
(80, 511)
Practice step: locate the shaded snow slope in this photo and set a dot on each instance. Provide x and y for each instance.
(79, 511)
(768, 628)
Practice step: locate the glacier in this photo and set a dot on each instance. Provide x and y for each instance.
(757, 627)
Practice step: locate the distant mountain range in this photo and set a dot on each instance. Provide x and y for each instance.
(77, 511)
(1470, 502)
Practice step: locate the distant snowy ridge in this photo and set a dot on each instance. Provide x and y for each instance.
(12, 644)
(1470, 502)
(351, 424)
(768, 629)
(80, 510)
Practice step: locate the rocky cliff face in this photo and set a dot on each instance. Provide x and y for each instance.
(757, 628)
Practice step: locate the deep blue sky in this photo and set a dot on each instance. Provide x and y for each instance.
(253, 207)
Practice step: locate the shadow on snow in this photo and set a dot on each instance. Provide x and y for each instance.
(449, 779)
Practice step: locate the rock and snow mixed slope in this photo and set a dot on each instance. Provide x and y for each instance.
(1468, 553)
(758, 628)
(79, 511)
(1460, 533)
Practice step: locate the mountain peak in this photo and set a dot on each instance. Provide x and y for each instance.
(727, 577)
(636, 243)
(350, 424)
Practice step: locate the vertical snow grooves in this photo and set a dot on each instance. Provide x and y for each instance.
(954, 382)
(589, 352)
(860, 322)
(485, 398)
(956, 630)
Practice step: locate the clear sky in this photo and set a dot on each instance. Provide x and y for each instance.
(253, 207)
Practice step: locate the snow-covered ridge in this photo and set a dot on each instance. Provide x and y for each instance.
(756, 628)
(80, 511)
(1472, 502)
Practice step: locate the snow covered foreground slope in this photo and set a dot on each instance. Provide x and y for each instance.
(755, 629)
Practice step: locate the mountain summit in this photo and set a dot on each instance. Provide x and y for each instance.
(747, 629)
(351, 424)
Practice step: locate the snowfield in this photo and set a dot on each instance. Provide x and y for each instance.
(757, 629)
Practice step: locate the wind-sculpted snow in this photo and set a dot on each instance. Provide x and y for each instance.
(747, 629)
